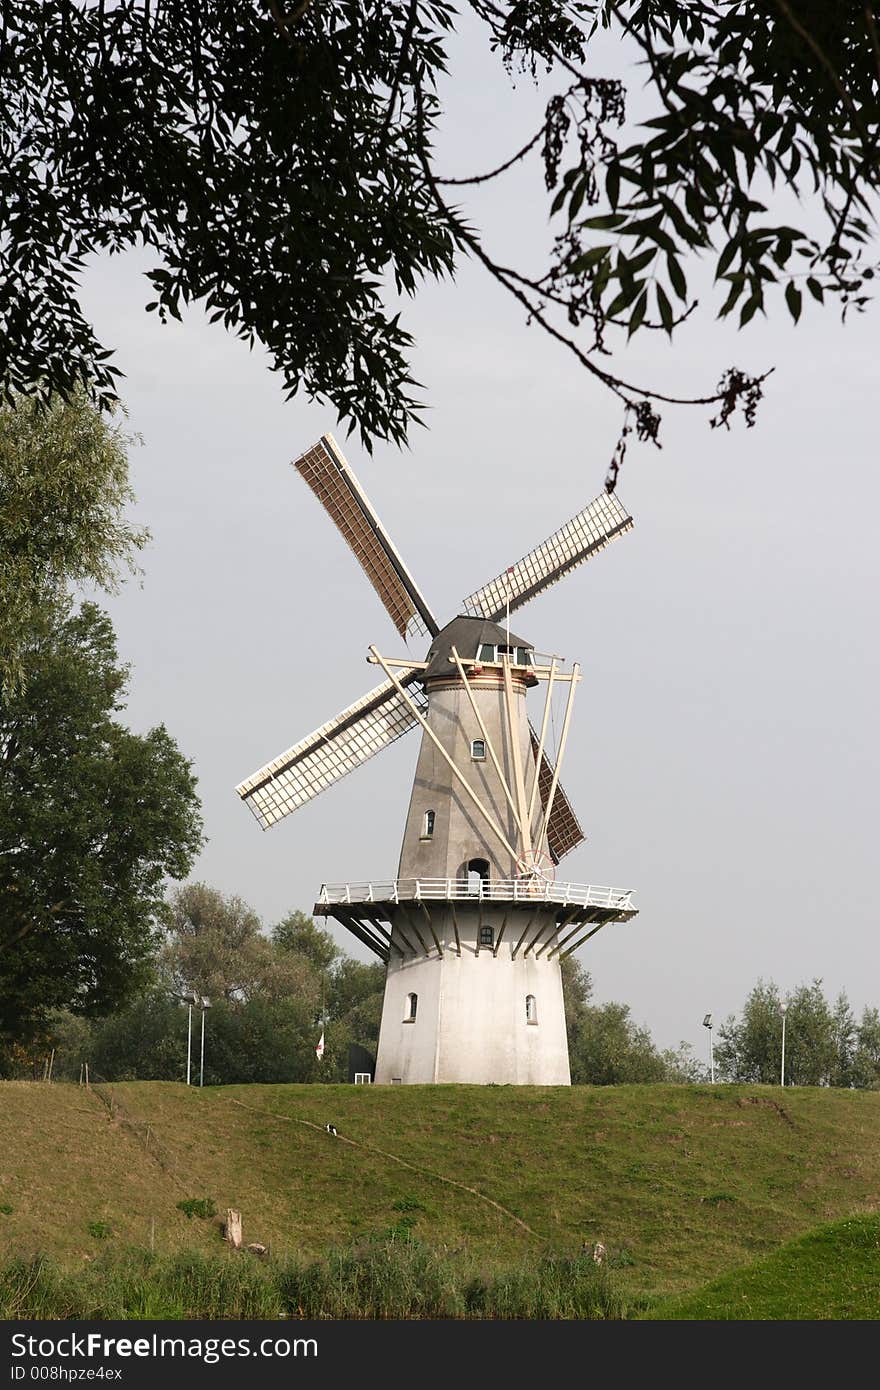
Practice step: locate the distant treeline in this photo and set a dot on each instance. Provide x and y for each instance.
(267, 996)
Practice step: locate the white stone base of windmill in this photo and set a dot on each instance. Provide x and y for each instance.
(474, 1017)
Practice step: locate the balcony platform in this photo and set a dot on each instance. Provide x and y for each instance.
(370, 910)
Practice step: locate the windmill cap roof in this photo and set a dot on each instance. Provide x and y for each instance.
(467, 635)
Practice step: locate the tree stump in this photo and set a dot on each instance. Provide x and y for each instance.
(232, 1229)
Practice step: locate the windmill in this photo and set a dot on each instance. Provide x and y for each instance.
(474, 927)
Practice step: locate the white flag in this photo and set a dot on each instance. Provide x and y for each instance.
(319, 1050)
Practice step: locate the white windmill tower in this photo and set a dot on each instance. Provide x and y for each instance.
(474, 927)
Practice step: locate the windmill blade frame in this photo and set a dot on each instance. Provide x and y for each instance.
(564, 831)
(324, 757)
(326, 471)
(590, 531)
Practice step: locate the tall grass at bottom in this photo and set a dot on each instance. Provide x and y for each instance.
(376, 1280)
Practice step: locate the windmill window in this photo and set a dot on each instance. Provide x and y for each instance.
(524, 657)
(412, 1004)
(428, 826)
(531, 1009)
(487, 936)
(478, 750)
(487, 652)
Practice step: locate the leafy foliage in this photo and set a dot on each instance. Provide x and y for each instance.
(202, 1207)
(280, 165)
(265, 998)
(269, 165)
(298, 934)
(610, 1049)
(216, 950)
(92, 820)
(824, 1046)
(143, 1040)
(63, 489)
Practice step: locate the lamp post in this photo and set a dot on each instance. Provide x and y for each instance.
(783, 1008)
(707, 1023)
(189, 1030)
(206, 1004)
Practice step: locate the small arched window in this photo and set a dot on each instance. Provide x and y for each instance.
(478, 750)
(531, 1009)
(428, 826)
(412, 1004)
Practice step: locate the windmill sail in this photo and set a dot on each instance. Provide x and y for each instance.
(563, 829)
(326, 756)
(337, 489)
(587, 533)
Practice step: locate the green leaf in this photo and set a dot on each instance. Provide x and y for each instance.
(793, 299)
(638, 313)
(623, 299)
(667, 317)
(725, 260)
(676, 277)
(606, 222)
(612, 183)
(587, 259)
(577, 199)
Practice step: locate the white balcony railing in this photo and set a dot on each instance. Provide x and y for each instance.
(507, 890)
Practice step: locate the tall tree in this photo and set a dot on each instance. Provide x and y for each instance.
(279, 161)
(820, 1041)
(866, 1057)
(216, 948)
(93, 819)
(751, 1049)
(298, 934)
(63, 492)
(811, 1047)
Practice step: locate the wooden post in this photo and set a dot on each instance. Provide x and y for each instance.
(455, 929)
(232, 1230)
(87, 1075)
(431, 928)
(526, 928)
(561, 927)
(577, 945)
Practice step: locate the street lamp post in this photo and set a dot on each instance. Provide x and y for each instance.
(707, 1023)
(783, 1008)
(206, 1004)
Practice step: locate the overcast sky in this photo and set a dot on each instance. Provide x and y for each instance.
(723, 755)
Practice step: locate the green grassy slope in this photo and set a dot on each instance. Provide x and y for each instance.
(681, 1184)
(831, 1274)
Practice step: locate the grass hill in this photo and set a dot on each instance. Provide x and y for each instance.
(682, 1185)
(831, 1274)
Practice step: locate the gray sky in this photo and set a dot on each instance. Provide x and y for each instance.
(723, 756)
